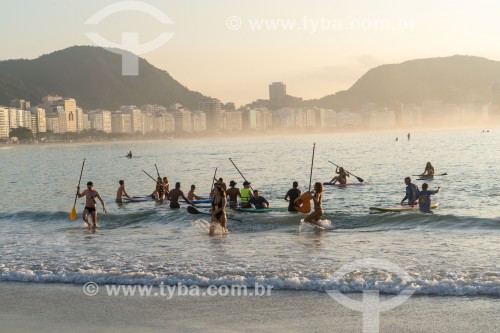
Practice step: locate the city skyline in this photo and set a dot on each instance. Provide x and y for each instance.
(323, 53)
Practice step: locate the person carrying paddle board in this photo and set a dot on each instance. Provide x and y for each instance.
(411, 192)
(341, 176)
(424, 198)
(291, 196)
(90, 204)
(314, 217)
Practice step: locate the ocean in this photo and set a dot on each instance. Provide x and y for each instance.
(453, 251)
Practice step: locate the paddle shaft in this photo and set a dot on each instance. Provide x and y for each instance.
(312, 164)
(158, 173)
(213, 181)
(79, 181)
(240, 173)
(149, 176)
(359, 178)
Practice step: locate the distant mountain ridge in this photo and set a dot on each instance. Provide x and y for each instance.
(454, 79)
(93, 76)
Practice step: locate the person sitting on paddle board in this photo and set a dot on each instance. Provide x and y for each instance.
(174, 196)
(192, 196)
(411, 192)
(342, 176)
(258, 201)
(318, 208)
(121, 192)
(219, 211)
(291, 196)
(90, 204)
(424, 198)
(246, 193)
(428, 172)
(233, 194)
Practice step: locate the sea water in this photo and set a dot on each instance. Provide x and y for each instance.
(452, 251)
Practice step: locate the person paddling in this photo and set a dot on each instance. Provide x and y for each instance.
(291, 196)
(342, 176)
(90, 204)
(411, 192)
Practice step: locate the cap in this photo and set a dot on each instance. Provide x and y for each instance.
(246, 183)
(232, 183)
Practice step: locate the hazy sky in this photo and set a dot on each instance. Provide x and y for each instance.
(225, 49)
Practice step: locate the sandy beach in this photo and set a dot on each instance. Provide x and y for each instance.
(29, 307)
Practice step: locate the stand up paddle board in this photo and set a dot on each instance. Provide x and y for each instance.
(345, 185)
(401, 208)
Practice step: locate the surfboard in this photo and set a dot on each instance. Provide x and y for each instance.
(303, 202)
(401, 208)
(253, 210)
(137, 199)
(345, 185)
(201, 201)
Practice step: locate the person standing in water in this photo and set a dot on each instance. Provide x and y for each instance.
(121, 192)
(219, 211)
(233, 194)
(174, 196)
(409, 137)
(424, 198)
(90, 204)
(411, 192)
(159, 192)
(314, 217)
(291, 196)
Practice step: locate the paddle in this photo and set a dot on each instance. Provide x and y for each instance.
(441, 174)
(312, 163)
(149, 176)
(240, 173)
(212, 188)
(157, 171)
(358, 178)
(72, 216)
(192, 210)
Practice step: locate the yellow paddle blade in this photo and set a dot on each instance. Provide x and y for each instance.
(72, 216)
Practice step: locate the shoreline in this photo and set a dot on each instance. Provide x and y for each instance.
(41, 307)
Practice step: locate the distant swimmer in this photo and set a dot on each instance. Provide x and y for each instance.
(90, 204)
(342, 176)
(318, 208)
(424, 198)
(246, 193)
(121, 192)
(396, 139)
(291, 196)
(192, 196)
(233, 194)
(219, 211)
(174, 196)
(411, 192)
(258, 201)
(428, 172)
(129, 154)
(409, 137)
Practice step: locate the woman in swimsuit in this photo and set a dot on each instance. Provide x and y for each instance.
(318, 209)
(428, 172)
(219, 211)
(342, 176)
(159, 190)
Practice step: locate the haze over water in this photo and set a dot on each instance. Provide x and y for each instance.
(453, 251)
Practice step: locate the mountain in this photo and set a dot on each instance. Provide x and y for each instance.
(91, 75)
(455, 79)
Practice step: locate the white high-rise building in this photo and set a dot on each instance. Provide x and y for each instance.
(199, 120)
(100, 120)
(136, 117)
(41, 120)
(79, 119)
(4, 122)
(212, 108)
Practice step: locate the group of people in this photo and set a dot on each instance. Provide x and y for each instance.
(248, 197)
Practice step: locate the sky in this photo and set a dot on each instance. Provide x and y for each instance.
(233, 50)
